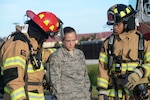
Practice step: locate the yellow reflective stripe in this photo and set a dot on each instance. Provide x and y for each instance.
(126, 91)
(52, 50)
(128, 10)
(6, 89)
(103, 58)
(36, 96)
(126, 66)
(2, 68)
(122, 14)
(147, 69)
(113, 67)
(115, 10)
(13, 61)
(32, 70)
(17, 94)
(147, 57)
(102, 83)
(42, 53)
(129, 66)
(111, 92)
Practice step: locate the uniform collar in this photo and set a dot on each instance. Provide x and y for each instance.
(125, 35)
(33, 41)
(68, 52)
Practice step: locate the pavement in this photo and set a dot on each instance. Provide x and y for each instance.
(47, 97)
(91, 61)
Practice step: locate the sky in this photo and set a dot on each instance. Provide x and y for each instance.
(85, 16)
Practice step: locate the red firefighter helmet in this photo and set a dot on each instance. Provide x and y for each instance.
(48, 21)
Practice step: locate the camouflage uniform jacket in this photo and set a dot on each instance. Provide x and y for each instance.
(69, 75)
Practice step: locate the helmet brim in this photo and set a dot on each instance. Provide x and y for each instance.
(30, 14)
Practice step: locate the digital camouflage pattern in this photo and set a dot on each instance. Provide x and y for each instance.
(69, 75)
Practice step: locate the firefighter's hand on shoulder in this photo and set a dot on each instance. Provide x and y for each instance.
(133, 79)
(102, 95)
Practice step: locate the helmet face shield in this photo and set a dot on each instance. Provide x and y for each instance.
(52, 34)
(59, 30)
(110, 18)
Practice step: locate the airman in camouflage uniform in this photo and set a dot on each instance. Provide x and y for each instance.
(68, 70)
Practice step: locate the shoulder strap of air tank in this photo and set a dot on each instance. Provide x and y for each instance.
(110, 62)
(110, 44)
(110, 51)
(22, 37)
(140, 47)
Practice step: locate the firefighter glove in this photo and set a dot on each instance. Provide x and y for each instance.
(133, 79)
(102, 95)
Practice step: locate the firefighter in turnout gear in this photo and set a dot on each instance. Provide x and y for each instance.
(23, 57)
(124, 59)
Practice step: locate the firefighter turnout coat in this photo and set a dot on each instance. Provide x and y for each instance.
(15, 55)
(125, 46)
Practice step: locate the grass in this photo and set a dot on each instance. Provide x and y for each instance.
(93, 72)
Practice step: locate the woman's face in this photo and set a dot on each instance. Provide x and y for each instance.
(118, 28)
(69, 41)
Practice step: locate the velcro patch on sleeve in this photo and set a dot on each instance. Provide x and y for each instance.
(23, 52)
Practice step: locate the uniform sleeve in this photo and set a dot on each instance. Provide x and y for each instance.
(14, 55)
(146, 64)
(46, 54)
(102, 80)
(87, 80)
(55, 71)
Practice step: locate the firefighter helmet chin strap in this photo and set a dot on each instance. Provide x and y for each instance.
(125, 27)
